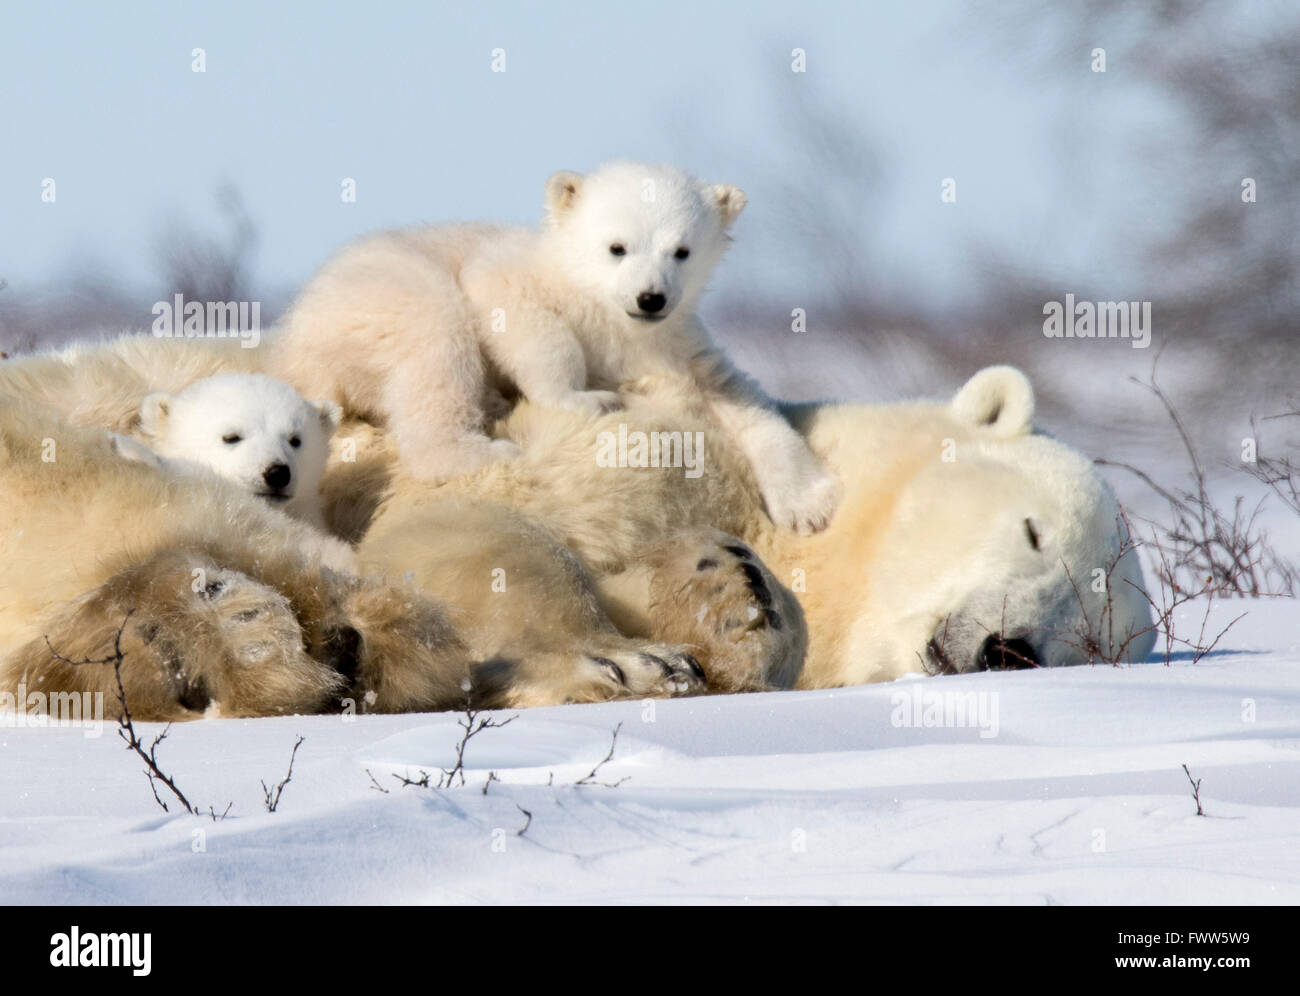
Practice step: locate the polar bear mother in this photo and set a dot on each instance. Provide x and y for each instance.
(549, 578)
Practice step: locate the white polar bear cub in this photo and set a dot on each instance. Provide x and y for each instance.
(421, 327)
(251, 429)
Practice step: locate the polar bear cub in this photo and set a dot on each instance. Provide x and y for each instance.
(421, 328)
(251, 429)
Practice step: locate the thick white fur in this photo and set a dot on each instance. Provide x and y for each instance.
(986, 527)
(959, 522)
(423, 328)
(238, 426)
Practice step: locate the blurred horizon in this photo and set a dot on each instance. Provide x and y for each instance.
(402, 98)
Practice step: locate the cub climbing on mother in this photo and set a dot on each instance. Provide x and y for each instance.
(426, 329)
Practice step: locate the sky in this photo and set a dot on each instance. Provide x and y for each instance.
(401, 98)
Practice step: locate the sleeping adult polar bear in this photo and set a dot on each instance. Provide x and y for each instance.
(965, 541)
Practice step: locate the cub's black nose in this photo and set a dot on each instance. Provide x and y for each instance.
(276, 476)
(651, 303)
(997, 654)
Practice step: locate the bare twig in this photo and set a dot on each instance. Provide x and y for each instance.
(590, 777)
(272, 796)
(1096, 645)
(126, 726)
(472, 723)
(422, 782)
(127, 732)
(937, 660)
(1196, 790)
(1229, 549)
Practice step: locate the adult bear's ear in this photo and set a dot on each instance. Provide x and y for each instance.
(561, 192)
(330, 415)
(154, 410)
(999, 399)
(730, 200)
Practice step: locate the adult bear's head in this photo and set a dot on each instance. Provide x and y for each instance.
(987, 544)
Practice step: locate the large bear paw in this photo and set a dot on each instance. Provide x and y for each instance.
(710, 591)
(240, 644)
(614, 668)
(195, 639)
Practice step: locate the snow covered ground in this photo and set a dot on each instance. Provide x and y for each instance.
(1066, 788)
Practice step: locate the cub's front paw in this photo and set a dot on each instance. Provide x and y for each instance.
(804, 502)
(593, 402)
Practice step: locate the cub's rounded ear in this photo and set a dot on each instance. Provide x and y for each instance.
(154, 410)
(561, 192)
(998, 399)
(730, 200)
(330, 415)
(134, 450)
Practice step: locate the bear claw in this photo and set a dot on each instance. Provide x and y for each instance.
(612, 669)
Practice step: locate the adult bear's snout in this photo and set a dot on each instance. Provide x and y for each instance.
(997, 654)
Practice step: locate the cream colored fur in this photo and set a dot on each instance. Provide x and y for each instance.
(543, 579)
(423, 329)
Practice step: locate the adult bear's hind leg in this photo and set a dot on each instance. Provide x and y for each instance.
(525, 605)
(194, 636)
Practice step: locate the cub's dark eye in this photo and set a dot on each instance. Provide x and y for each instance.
(295, 441)
(681, 253)
(617, 249)
(231, 438)
(1031, 533)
